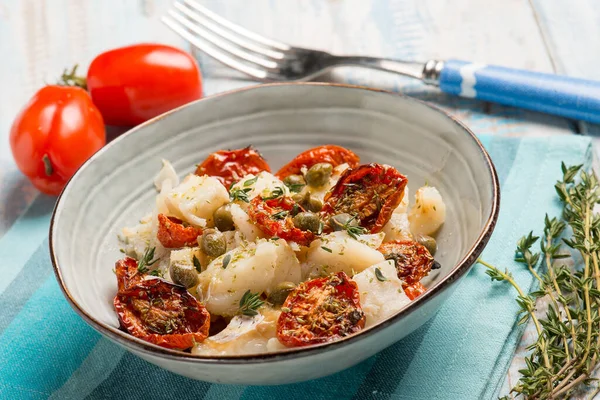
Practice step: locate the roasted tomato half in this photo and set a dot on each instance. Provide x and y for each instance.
(413, 261)
(274, 218)
(334, 155)
(162, 313)
(127, 274)
(172, 233)
(319, 311)
(415, 290)
(371, 192)
(230, 166)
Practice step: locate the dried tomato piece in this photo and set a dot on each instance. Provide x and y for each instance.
(230, 166)
(415, 290)
(162, 313)
(172, 233)
(127, 274)
(274, 218)
(413, 261)
(371, 192)
(334, 155)
(319, 311)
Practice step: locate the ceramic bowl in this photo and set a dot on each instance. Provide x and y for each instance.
(114, 189)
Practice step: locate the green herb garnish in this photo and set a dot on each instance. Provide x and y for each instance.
(250, 182)
(327, 249)
(249, 303)
(354, 230)
(226, 260)
(280, 215)
(379, 275)
(197, 264)
(295, 187)
(146, 260)
(240, 194)
(277, 192)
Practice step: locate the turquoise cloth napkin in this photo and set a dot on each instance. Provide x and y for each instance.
(46, 350)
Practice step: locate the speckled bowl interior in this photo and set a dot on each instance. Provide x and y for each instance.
(114, 189)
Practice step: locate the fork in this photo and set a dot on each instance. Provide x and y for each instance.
(269, 60)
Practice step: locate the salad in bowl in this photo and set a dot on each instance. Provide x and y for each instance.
(235, 259)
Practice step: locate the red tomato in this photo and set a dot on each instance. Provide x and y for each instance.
(229, 166)
(413, 261)
(415, 290)
(54, 134)
(172, 233)
(319, 311)
(273, 217)
(371, 192)
(127, 274)
(132, 84)
(334, 155)
(162, 313)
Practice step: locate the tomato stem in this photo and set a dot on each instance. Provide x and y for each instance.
(70, 78)
(48, 165)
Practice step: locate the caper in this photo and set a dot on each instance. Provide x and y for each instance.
(339, 222)
(313, 204)
(318, 174)
(355, 316)
(307, 221)
(183, 274)
(298, 198)
(223, 219)
(280, 293)
(294, 181)
(427, 241)
(213, 243)
(308, 202)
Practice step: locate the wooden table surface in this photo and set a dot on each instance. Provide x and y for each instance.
(38, 38)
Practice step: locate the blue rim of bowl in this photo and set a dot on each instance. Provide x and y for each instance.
(142, 346)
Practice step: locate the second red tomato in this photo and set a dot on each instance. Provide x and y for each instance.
(132, 84)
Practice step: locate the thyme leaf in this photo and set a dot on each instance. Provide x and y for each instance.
(379, 275)
(250, 182)
(249, 303)
(226, 260)
(276, 193)
(197, 264)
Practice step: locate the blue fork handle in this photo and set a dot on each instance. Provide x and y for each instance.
(553, 94)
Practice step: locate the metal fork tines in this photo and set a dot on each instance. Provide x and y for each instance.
(262, 58)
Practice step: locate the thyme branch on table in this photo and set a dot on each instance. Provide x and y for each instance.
(565, 353)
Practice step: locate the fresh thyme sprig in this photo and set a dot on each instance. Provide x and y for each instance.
(277, 192)
(566, 352)
(354, 230)
(249, 303)
(146, 260)
(239, 194)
